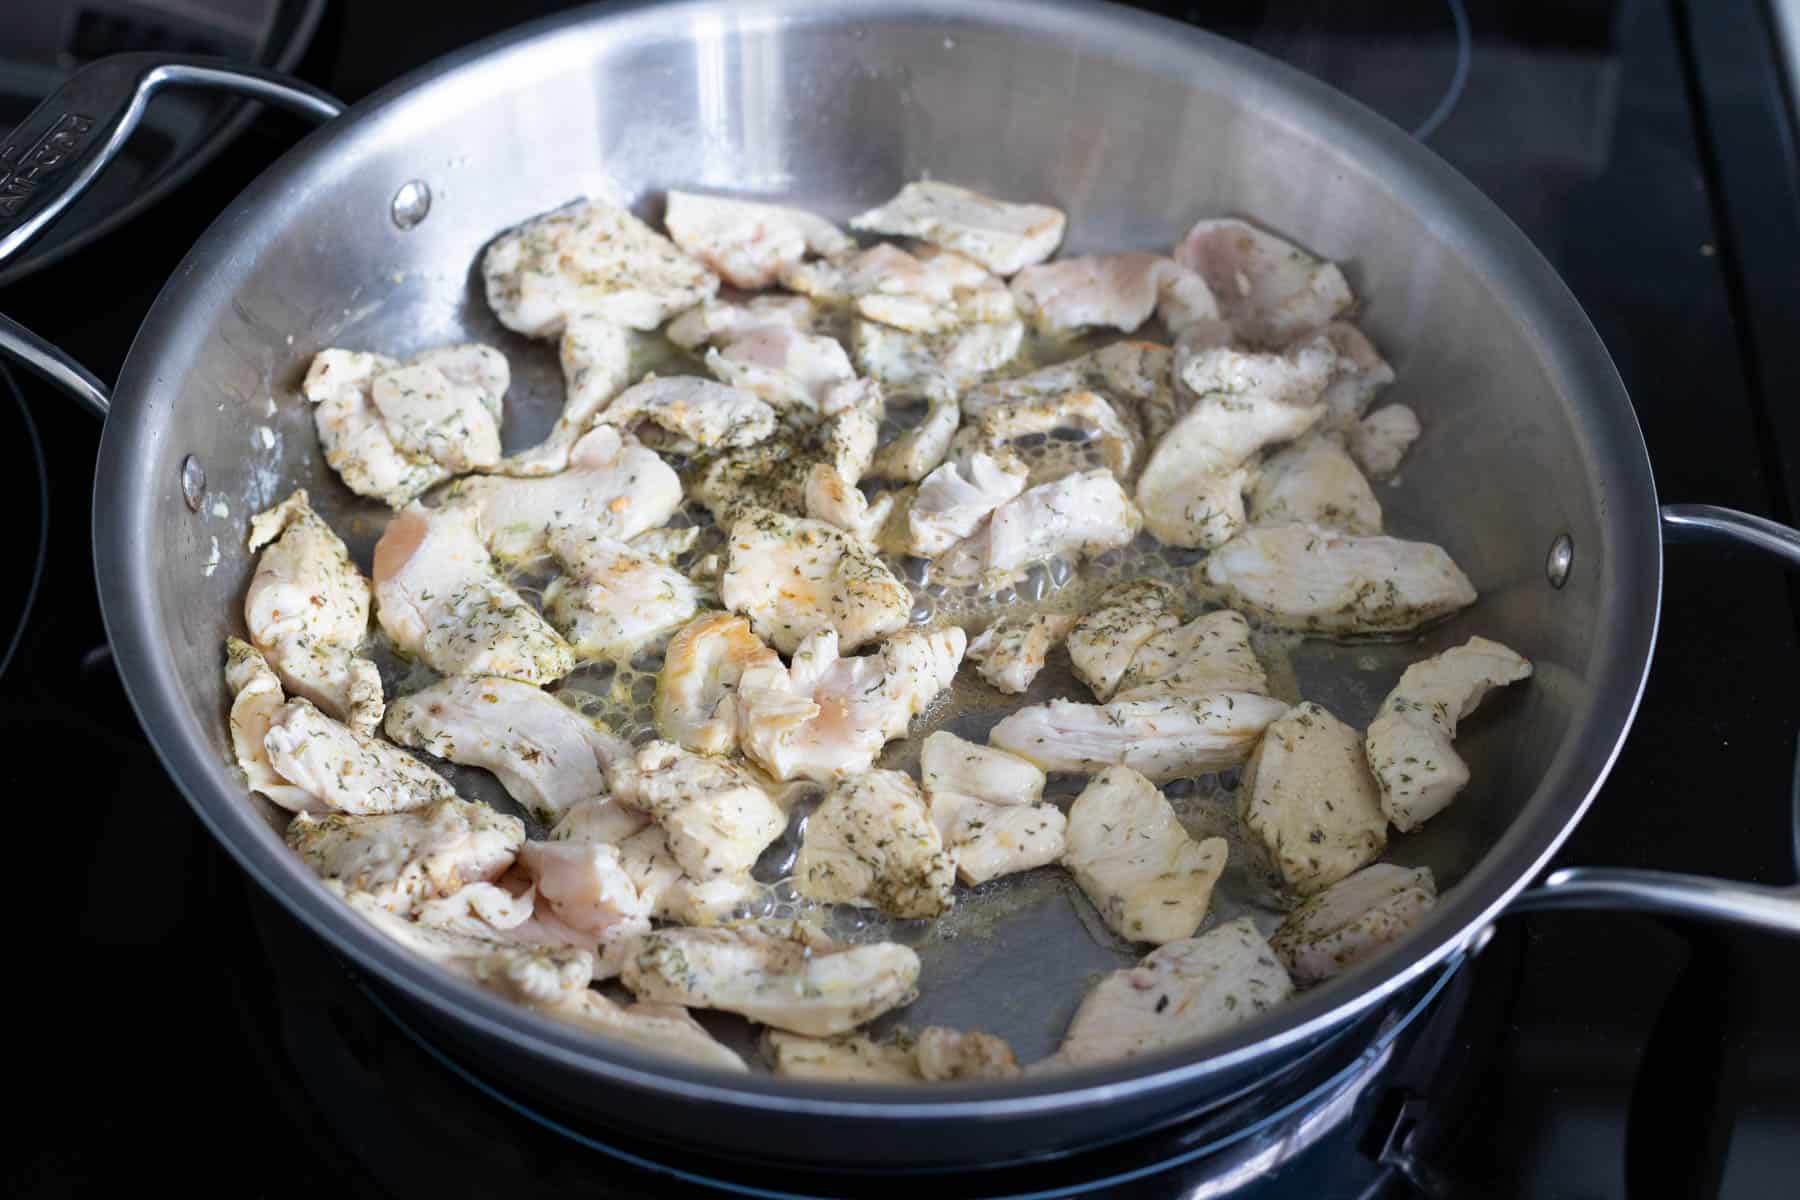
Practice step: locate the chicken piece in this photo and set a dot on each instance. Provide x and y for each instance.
(780, 973)
(343, 770)
(1000, 236)
(1074, 517)
(502, 911)
(1192, 488)
(1010, 652)
(717, 320)
(717, 818)
(1127, 849)
(773, 474)
(611, 601)
(589, 260)
(307, 611)
(1106, 640)
(1359, 373)
(696, 691)
(439, 598)
(987, 807)
(936, 1053)
(953, 1054)
(1409, 741)
(1353, 920)
(1117, 291)
(587, 889)
(1269, 290)
(831, 500)
(1328, 584)
(444, 405)
(930, 292)
(353, 434)
(1164, 739)
(748, 244)
(603, 821)
(828, 717)
(257, 701)
(945, 362)
(667, 544)
(546, 755)
(793, 576)
(994, 425)
(1380, 440)
(533, 974)
(683, 414)
(956, 498)
(614, 487)
(1211, 653)
(671, 893)
(786, 368)
(1314, 481)
(664, 1029)
(917, 451)
(1308, 801)
(404, 860)
(1180, 992)
(872, 843)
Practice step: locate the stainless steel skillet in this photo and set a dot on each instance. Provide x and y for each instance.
(1136, 127)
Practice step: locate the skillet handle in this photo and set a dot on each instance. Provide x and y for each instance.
(52, 157)
(1663, 892)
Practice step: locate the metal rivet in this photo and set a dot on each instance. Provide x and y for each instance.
(1562, 557)
(411, 203)
(193, 482)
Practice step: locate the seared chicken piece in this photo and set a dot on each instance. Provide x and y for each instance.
(1010, 652)
(611, 601)
(1192, 487)
(502, 911)
(717, 818)
(827, 717)
(931, 292)
(1178, 993)
(953, 1054)
(403, 860)
(606, 821)
(613, 488)
(391, 429)
(747, 243)
(1327, 584)
(779, 973)
(257, 700)
(995, 424)
(659, 1028)
(956, 497)
(987, 807)
(1314, 481)
(1164, 739)
(1408, 743)
(1359, 373)
(596, 365)
(786, 368)
(589, 260)
(832, 500)
(307, 610)
(671, 893)
(343, 770)
(793, 576)
(1074, 517)
(696, 691)
(667, 544)
(548, 756)
(683, 414)
(1211, 653)
(534, 974)
(872, 843)
(1001, 237)
(946, 361)
(1380, 440)
(1353, 919)
(1127, 615)
(1270, 291)
(917, 451)
(587, 889)
(716, 319)
(1127, 849)
(1117, 291)
(1308, 800)
(936, 1053)
(438, 596)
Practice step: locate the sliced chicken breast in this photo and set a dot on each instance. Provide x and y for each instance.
(717, 817)
(696, 690)
(1358, 375)
(955, 498)
(1000, 236)
(1327, 584)
(946, 361)
(1271, 291)
(1314, 481)
(587, 889)
(1074, 517)
(780, 973)
(936, 1053)
(749, 244)
(993, 426)
(1308, 801)
(683, 414)
(720, 319)
(1010, 652)
(1164, 739)
(1409, 741)
(1127, 849)
(917, 451)
(930, 292)
(831, 499)
(403, 860)
(788, 369)
(872, 843)
(1127, 615)
(1353, 920)
(665, 1029)
(446, 412)
(1380, 440)
(1211, 653)
(354, 436)
(257, 701)
(793, 576)
(1117, 291)
(611, 600)
(987, 806)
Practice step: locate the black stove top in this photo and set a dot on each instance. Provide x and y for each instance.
(182, 1024)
